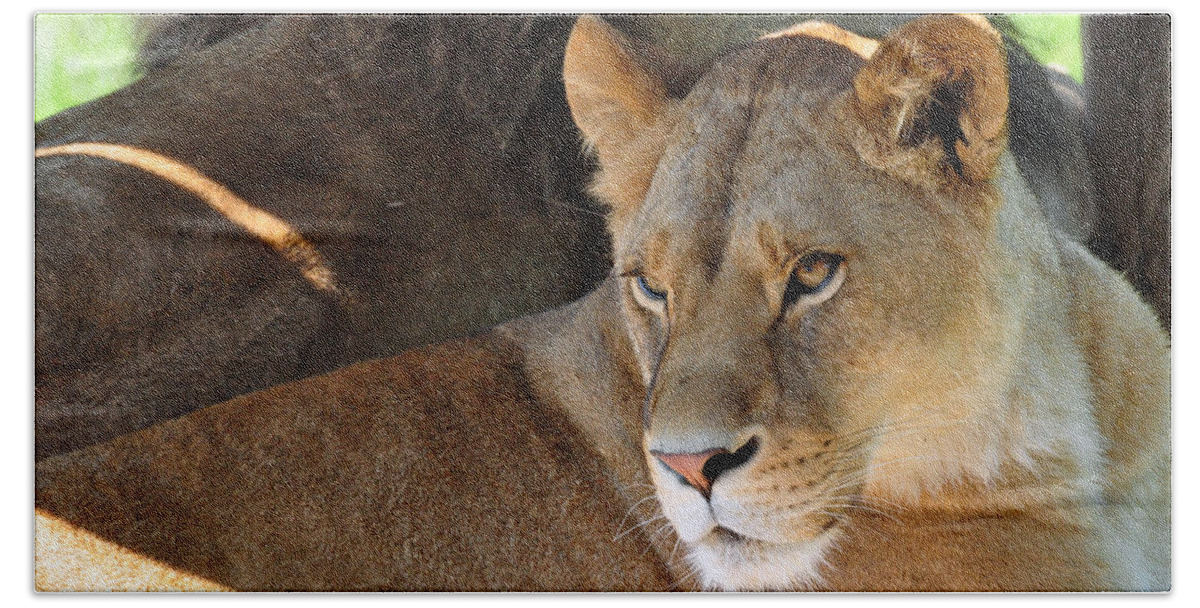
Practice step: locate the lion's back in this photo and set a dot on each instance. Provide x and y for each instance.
(435, 470)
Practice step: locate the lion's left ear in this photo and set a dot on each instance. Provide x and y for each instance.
(932, 102)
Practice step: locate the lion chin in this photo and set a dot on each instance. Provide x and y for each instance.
(727, 561)
(739, 544)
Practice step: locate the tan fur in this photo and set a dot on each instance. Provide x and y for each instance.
(67, 558)
(979, 404)
(862, 46)
(265, 226)
(911, 63)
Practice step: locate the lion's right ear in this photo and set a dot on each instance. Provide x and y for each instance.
(617, 102)
(611, 94)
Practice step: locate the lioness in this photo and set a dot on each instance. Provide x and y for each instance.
(840, 297)
(841, 348)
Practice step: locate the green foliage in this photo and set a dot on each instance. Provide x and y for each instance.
(1052, 39)
(79, 57)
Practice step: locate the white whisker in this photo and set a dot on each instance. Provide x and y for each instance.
(650, 539)
(628, 513)
(639, 526)
(852, 505)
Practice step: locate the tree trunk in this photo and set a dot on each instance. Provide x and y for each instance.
(1127, 71)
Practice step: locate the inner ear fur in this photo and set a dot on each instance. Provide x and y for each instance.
(932, 102)
(620, 105)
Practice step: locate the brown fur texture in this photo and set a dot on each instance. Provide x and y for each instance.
(388, 475)
(955, 396)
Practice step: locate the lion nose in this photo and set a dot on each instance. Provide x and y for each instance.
(701, 469)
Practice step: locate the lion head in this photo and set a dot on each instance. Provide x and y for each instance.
(815, 277)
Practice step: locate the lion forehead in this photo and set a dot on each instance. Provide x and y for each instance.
(757, 143)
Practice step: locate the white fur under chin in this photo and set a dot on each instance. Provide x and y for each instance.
(733, 565)
(726, 562)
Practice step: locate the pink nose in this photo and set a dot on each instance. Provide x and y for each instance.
(690, 466)
(701, 469)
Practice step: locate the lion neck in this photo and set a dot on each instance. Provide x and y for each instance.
(1024, 436)
(579, 359)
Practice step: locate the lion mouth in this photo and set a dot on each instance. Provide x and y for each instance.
(730, 560)
(726, 535)
(731, 537)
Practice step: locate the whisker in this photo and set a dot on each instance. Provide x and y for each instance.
(664, 528)
(908, 425)
(863, 474)
(639, 526)
(650, 539)
(630, 512)
(851, 505)
(692, 572)
(882, 502)
(671, 557)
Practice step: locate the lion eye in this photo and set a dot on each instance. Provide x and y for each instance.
(649, 291)
(812, 274)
